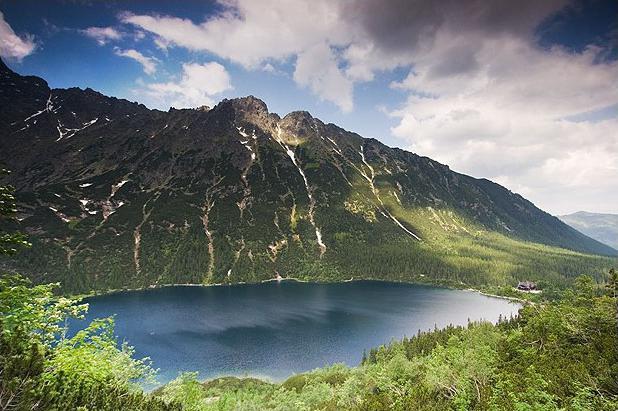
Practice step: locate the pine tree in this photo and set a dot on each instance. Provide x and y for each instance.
(9, 241)
(612, 283)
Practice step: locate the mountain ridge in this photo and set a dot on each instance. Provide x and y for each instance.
(116, 194)
(603, 227)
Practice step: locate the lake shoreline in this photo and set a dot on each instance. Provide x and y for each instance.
(234, 322)
(298, 280)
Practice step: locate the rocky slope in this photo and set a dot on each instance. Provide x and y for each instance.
(113, 194)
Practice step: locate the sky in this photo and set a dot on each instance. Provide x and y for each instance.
(524, 93)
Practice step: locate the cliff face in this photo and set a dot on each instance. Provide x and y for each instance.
(114, 194)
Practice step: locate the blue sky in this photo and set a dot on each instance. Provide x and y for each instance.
(523, 94)
(67, 58)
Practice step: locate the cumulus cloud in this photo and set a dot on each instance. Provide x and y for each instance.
(499, 111)
(12, 45)
(196, 87)
(317, 69)
(252, 33)
(482, 95)
(102, 35)
(149, 64)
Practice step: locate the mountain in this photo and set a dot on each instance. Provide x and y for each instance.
(601, 227)
(113, 194)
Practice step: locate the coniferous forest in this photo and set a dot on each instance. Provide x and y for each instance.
(557, 354)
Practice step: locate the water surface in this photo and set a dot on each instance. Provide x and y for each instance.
(273, 330)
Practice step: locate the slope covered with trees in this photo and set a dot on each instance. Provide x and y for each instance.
(556, 355)
(115, 195)
(41, 368)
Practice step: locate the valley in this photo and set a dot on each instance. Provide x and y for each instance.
(363, 205)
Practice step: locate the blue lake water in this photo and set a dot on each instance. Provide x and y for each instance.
(273, 330)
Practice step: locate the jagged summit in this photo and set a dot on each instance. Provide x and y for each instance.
(252, 107)
(246, 104)
(301, 117)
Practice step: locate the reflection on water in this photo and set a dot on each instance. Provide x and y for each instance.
(275, 329)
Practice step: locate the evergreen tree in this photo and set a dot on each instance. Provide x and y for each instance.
(9, 241)
(612, 283)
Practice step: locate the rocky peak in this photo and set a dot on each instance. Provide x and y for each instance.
(299, 117)
(302, 124)
(249, 109)
(246, 105)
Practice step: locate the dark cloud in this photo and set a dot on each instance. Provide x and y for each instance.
(397, 25)
(458, 60)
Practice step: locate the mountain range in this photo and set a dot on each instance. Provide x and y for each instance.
(601, 227)
(113, 194)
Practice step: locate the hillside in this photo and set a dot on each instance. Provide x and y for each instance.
(113, 195)
(601, 227)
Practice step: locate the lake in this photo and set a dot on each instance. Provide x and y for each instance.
(273, 330)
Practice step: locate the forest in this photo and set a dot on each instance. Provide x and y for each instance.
(559, 353)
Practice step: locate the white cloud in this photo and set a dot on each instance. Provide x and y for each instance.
(12, 45)
(271, 69)
(102, 35)
(196, 87)
(482, 95)
(504, 120)
(251, 33)
(317, 69)
(149, 64)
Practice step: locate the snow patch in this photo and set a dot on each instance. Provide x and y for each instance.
(48, 105)
(65, 132)
(290, 153)
(242, 132)
(59, 214)
(376, 192)
(397, 197)
(116, 187)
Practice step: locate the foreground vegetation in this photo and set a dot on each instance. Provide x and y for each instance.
(560, 355)
(556, 355)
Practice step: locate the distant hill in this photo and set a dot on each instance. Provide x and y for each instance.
(601, 227)
(114, 195)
